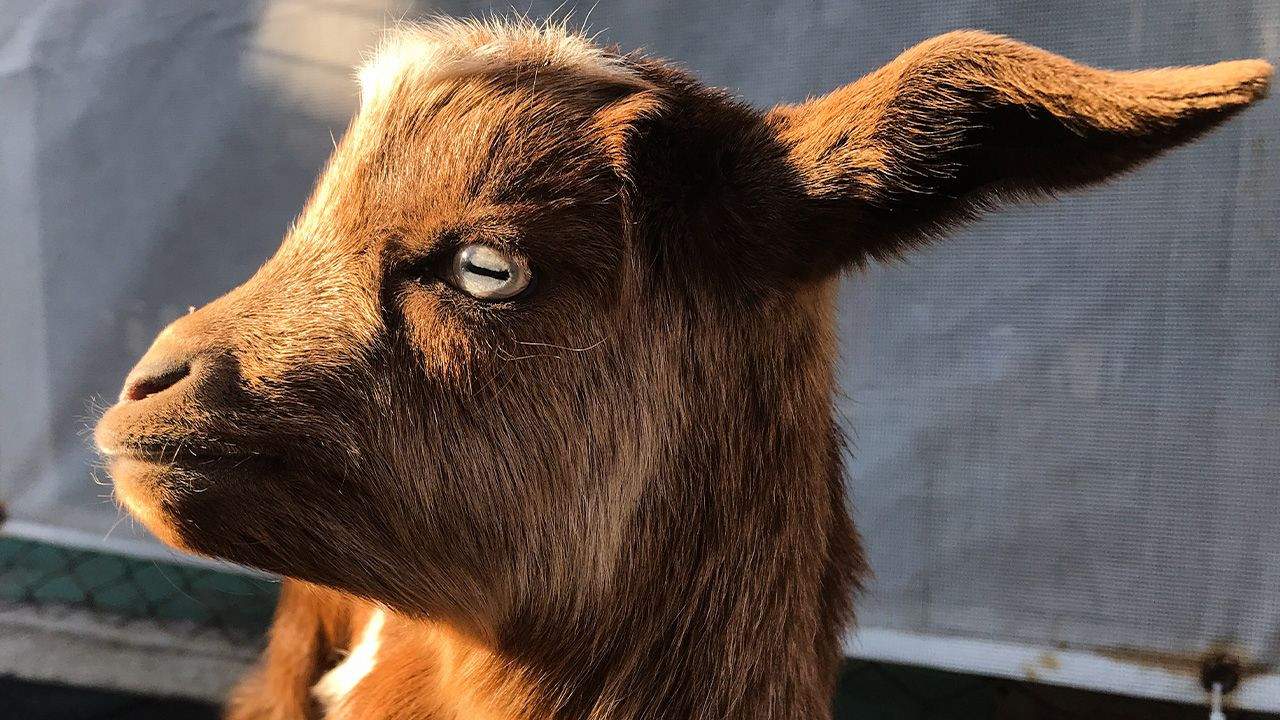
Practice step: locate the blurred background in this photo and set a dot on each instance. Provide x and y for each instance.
(1065, 420)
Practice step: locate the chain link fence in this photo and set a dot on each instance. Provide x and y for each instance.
(192, 602)
(119, 590)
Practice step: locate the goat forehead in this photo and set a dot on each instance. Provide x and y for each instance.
(461, 154)
(469, 140)
(450, 47)
(457, 130)
(417, 170)
(453, 102)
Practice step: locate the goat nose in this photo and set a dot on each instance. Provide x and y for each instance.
(154, 376)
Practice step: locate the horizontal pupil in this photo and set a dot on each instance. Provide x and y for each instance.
(487, 272)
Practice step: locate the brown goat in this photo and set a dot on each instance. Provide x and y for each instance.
(533, 407)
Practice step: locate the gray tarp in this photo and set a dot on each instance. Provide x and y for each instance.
(1066, 420)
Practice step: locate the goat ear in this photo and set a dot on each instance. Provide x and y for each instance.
(968, 118)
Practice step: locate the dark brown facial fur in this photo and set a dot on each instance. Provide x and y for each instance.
(618, 494)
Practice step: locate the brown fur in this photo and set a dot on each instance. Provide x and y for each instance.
(619, 495)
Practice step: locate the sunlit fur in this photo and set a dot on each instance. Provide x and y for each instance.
(621, 494)
(422, 54)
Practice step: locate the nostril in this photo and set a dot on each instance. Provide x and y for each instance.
(153, 382)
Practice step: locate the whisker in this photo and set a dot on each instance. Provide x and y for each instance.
(566, 348)
(119, 519)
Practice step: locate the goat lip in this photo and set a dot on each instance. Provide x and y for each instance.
(184, 454)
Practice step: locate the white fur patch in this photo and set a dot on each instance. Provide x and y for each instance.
(332, 689)
(452, 47)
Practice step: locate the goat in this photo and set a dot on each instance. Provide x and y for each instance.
(533, 406)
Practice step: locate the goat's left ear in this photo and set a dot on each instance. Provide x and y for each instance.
(968, 118)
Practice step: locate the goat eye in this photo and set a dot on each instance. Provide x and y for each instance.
(488, 274)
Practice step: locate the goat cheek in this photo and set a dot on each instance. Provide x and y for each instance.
(442, 347)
